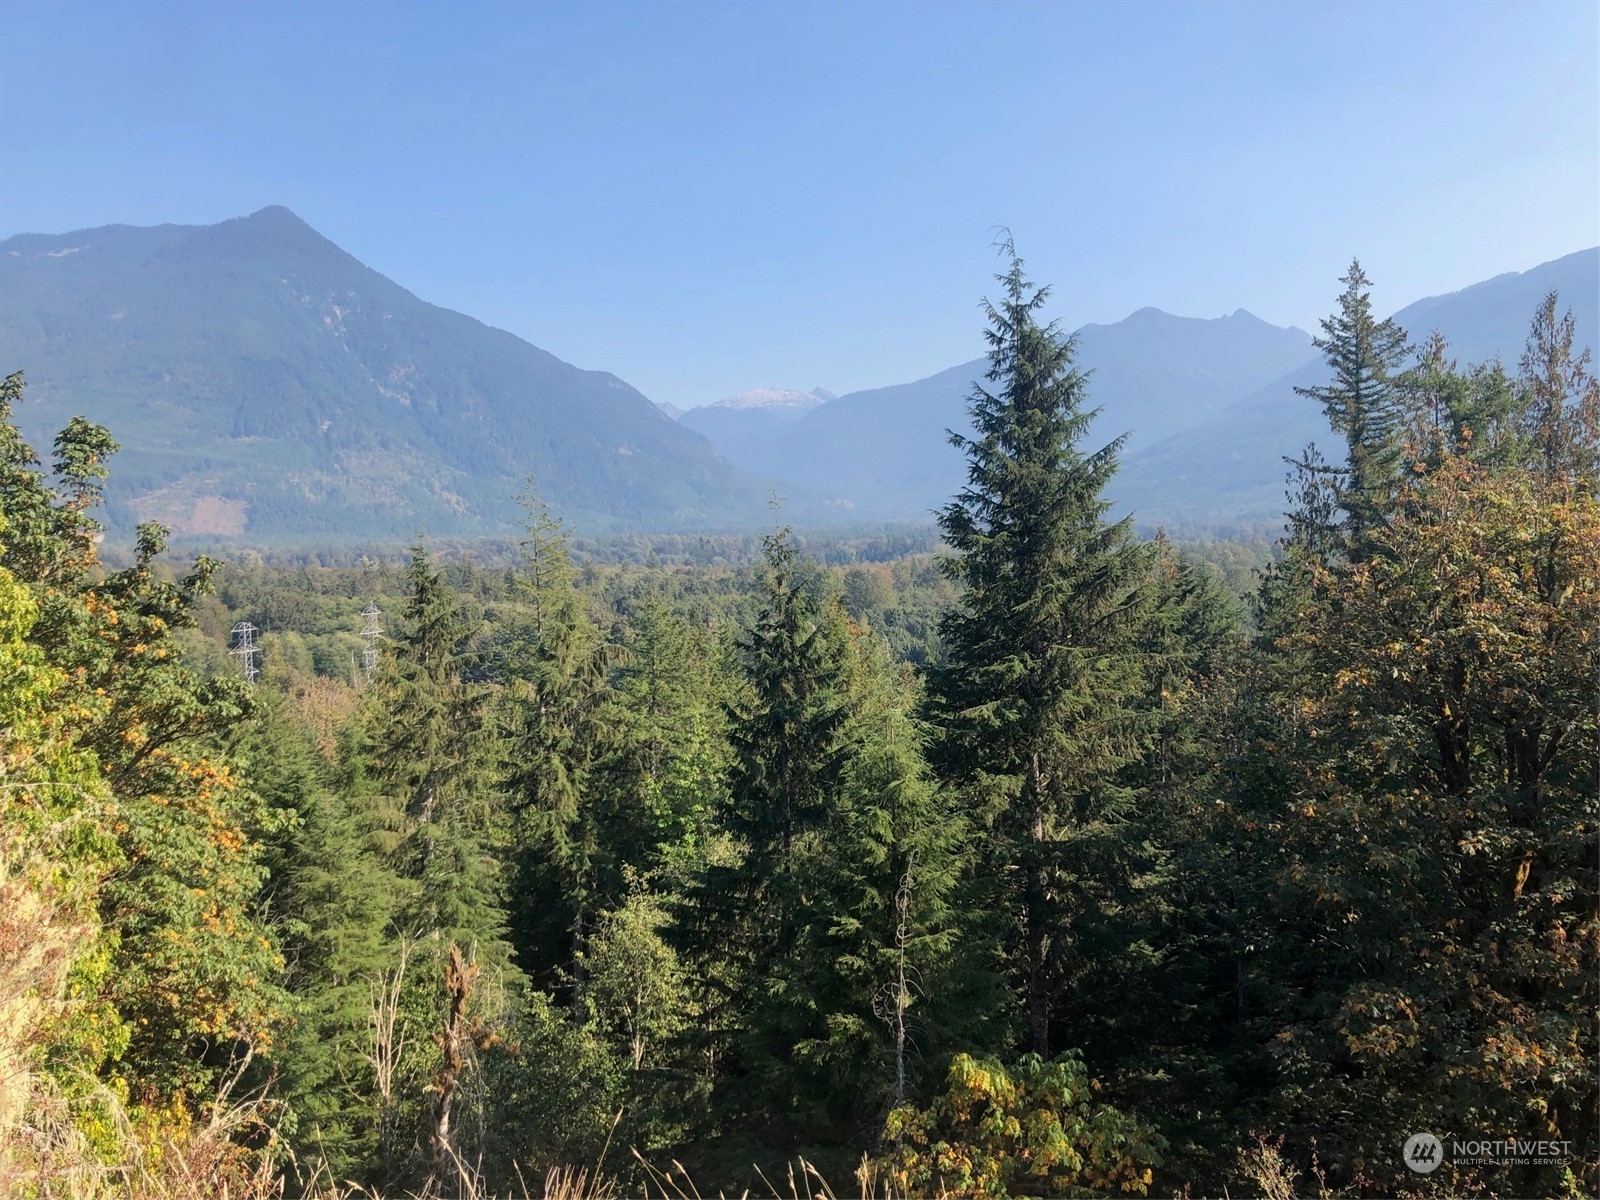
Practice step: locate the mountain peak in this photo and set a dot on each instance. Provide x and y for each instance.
(262, 380)
(275, 214)
(273, 221)
(784, 401)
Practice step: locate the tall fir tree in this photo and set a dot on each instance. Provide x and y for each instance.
(1362, 404)
(435, 778)
(1036, 705)
(1560, 399)
(332, 897)
(749, 912)
(889, 971)
(431, 758)
(1193, 921)
(672, 755)
(557, 718)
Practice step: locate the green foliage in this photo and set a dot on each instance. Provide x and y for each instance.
(559, 717)
(1036, 1129)
(638, 1004)
(1440, 849)
(332, 897)
(175, 979)
(725, 865)
(558, 1090)
(1035, 701)
(54, 853)
(428, 759)
(671, 749)
(1362, 404)
(891, 974)
(785, 734)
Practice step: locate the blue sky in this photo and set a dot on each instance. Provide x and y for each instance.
(707, 197)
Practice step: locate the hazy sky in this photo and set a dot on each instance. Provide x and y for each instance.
(707, 197)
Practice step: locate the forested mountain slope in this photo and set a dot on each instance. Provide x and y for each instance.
(884, 452)
(1208, 406)
(268, 387)
(1232, 468)
(263, 382)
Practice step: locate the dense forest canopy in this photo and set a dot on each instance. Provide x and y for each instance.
(1040, 859)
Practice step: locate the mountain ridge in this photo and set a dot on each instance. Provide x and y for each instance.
(268, 385)
(1231, 468)
(883, 452)
(254, 365)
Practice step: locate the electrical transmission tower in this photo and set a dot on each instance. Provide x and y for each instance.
(370, 633)
(245, 650)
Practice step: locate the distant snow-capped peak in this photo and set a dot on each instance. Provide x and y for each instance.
(782, 399)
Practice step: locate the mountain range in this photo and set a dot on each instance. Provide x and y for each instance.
(786, 402)
(885, 453)
(1230, 468)
(740, 426)
(1208, 407)
(263, 382)
(267, 387)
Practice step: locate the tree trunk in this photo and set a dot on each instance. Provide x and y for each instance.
(459, 979)
(1036, 919)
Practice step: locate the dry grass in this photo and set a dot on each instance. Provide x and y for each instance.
(801, 1181)
(48, 1155)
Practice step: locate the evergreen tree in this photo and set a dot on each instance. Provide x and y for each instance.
(428, 751)
(1560, 399)
(1362, 403)
(889, 973)
(1194, 919)
(432, 762)
(332, 898)
(671, 755)
(1036, 705)
(749, 913)
(1473, 412)
(558, 722)
(785, 738)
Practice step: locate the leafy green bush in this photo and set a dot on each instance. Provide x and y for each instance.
(1034, 1129)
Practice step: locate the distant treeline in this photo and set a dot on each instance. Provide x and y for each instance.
(842, 544)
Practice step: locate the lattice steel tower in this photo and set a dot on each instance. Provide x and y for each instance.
(370, 633)
(246, 650)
